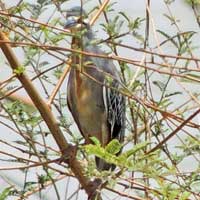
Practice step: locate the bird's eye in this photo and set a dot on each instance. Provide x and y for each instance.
(85, 21)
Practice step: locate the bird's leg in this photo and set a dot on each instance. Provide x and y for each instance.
(94, 186)
(69, 154)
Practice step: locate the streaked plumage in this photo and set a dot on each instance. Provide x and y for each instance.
(98, 110)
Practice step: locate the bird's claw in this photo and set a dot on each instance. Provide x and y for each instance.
(94, 185)
(69, 154)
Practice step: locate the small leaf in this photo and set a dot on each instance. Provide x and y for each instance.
(185, 195)
(160, 85)
(125, 16)
(135, 149)
(113, 147)
(95, 141)
(169, 38)
(172, 94)
(5, 193)
(42, 64)
(19, 70)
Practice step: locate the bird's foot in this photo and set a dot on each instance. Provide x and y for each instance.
(94, 186)
(69, 154)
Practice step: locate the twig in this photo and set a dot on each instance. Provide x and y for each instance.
(27, 101)
(39, 188)
(47, 115)
(111, 57)
(174, 132)
(62, 78)
(35, 22)
(104, 4)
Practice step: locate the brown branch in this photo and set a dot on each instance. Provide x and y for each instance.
(154, 53)
(122, 194)
(104, 4)
(48, 117)
(11, 94)
(5, 82)
(34, 21)
(111, 57)
(34, 95)
(62, 78)
(165, 114)
(39, 188)
(174, 132)
(27, 101)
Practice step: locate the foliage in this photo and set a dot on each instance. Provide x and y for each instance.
(109, 153)
(5, 193)
(19, 70)
(160, 76)
(193, 2)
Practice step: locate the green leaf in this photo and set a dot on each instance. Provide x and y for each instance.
(5, 193)
(135, 149)
(193, 2)
(160, 85)
(124, 15)
(95, 141)
(169, 38)
(113, 147)
(19, 70)
(185, 195)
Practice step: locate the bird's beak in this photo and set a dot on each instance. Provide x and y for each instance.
(71, 22)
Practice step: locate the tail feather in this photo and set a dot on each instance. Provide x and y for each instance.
(103, 165)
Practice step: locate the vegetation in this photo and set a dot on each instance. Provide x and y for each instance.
(42, 154)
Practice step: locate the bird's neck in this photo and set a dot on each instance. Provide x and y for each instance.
(80, 43)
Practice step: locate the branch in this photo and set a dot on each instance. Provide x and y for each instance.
(111, 57)
(175, 131)
(48, 117)
(14, 97)
(58, 85)
(104, 4)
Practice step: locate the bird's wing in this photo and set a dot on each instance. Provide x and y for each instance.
(114, 103)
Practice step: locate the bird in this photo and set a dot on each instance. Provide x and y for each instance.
(97, 107)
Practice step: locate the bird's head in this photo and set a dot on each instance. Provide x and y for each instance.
(76, 18)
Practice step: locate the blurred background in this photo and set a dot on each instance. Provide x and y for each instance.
(167, 19)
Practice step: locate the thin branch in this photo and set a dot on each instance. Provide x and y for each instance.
(104, 4)
(35, 22)
(62, 78)
(27, 101)
(112, 57)
(47, 115)
(175, 131)
(39, 188)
